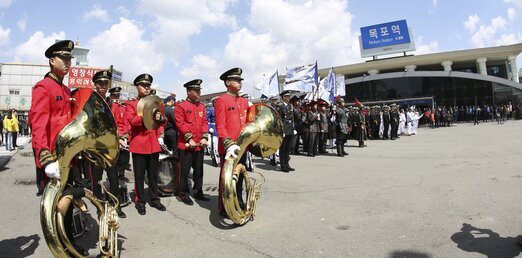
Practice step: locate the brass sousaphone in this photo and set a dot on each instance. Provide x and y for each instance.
(91, 132)
(262, 136)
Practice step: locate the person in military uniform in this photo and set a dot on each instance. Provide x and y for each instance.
(192, 124)
(51, 109)
(145, 148)
(394, 121)
(231, 117)
(360, 133)
(298, 125)
(323, 126)
(313, 118)
(211, 119)
(101, 81)
(286, 113)
(341, 119)
(170, 129)
(386, 122)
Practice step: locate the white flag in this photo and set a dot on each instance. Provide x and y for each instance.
(340, 87)
(302, 78)
(269, 86)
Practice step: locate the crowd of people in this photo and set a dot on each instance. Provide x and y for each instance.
(187, 128)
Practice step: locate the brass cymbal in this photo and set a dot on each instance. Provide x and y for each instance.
(147, 106)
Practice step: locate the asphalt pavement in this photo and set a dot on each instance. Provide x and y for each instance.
(447, 192)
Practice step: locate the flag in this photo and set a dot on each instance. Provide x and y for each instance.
(340, 86)
(269, 86)
(326, 89)
(357, 103)
(302, 78)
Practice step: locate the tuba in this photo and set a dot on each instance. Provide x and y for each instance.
(263, 136)
(92, 132)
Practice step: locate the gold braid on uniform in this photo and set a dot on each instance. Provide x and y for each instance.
(205, 136)
(45, 157)
(187, 136)
(227, 142)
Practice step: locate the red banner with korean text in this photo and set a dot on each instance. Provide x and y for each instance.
(81, 77)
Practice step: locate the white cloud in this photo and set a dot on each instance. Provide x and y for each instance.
(509, 39)
(515, 2)
(307, 31)
(434, 3)
(485, 34)
(471, 23)
(284, 34)
(429, 48)
(34, 48)
(96, 13)
(176, 21)
(4, 35)
(5, 3)
(124, 47)
(22, 24)
(123, 10)
(512, 13)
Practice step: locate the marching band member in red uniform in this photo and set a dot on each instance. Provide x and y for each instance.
(101, 81)
(51, 110)
(231, 115)
(145, 148)
(192, 125)
(118, 111)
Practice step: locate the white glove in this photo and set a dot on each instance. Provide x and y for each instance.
(295, 132)
(160, 140)
(52, 170)
(211, 130)
(318, 117)
(231, 151)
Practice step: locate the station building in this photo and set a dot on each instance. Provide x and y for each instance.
(482, 76)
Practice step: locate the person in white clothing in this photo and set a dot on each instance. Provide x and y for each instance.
(402, 122)
(409, 122)
(415, 121)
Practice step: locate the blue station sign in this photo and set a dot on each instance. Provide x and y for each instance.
(385, 34)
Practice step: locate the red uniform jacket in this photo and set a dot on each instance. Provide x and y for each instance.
(50, 111)
(191, 122)
(118, 111)
(142, 141)
(231, 117)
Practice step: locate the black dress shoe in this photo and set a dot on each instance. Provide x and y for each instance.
(141, 210)
(121, 214)
(290, 168)
(345, 153)
(273, 163)
(284, 169)
(39, 193)
(200, 196)
(186, 200)
(158, 206)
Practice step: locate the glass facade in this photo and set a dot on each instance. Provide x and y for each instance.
(446, 91)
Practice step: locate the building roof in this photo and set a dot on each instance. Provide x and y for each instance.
(460, 56)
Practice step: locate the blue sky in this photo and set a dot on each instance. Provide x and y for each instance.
(180, 40)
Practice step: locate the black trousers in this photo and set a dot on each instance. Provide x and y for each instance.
(385, 131)
(190, 159)
(112, 176)
(15, 135)
(171, 141)
(284, 150)
(394, 129)
(322, 141)
(239, 184)
(295, 143)
(313, 140)
(145, 164)
(121, 164)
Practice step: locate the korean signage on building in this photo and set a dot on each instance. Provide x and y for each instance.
(81, 77)
(386, 38)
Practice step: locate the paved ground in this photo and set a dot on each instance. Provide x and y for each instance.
(449, 192)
